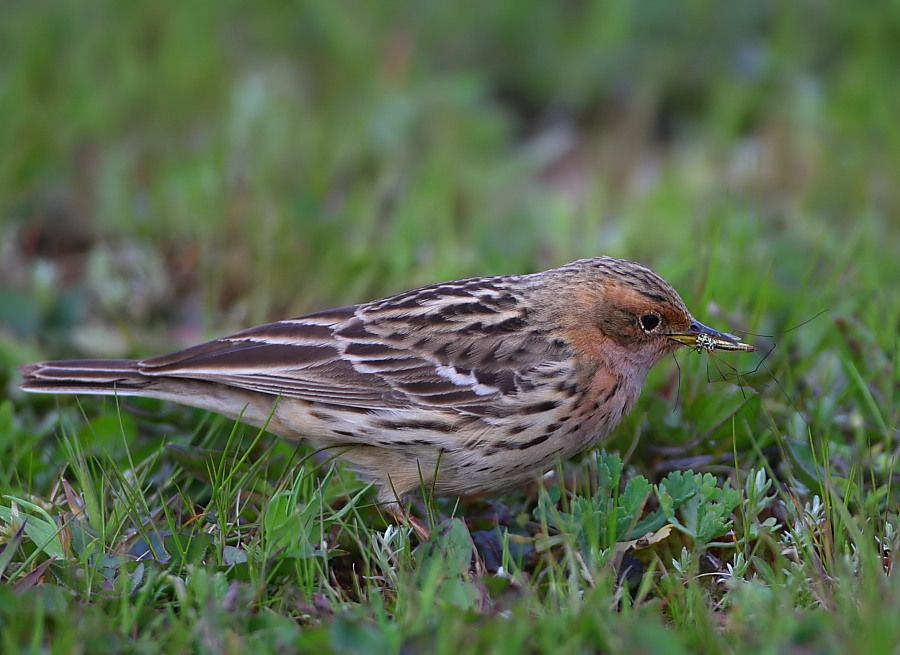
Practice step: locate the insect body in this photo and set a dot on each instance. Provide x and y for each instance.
(705, 342)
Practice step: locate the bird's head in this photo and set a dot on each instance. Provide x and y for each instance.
(621, 310)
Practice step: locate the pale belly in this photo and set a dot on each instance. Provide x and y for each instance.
(478, 455)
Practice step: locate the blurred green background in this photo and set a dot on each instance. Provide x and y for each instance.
(169, 172)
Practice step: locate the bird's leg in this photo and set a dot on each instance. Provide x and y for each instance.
(390, 502)
(402, 517)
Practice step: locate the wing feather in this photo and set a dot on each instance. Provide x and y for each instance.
(465, 346)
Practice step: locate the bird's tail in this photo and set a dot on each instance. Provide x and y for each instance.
(86, 376)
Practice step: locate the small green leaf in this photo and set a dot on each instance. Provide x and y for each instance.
(451, 547)
(43, 532)
(609, 472)
(630, 505)
(680, 486)
(651, 523)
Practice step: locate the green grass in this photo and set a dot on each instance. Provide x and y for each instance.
(170, 173)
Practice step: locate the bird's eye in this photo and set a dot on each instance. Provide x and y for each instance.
(649, 322)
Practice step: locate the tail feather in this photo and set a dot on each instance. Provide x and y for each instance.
(87, 376)
(123, 377)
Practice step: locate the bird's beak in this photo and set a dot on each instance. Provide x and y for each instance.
(705, 338)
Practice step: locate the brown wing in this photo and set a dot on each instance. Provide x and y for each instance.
(465, 345)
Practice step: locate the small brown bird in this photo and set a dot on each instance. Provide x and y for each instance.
(474, 385)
